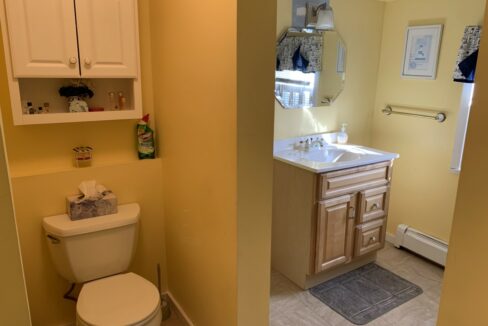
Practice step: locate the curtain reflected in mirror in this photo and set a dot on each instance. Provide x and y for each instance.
(310, 68)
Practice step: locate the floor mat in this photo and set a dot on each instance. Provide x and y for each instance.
(366, 293)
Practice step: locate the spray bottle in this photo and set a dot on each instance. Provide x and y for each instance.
(145, 139)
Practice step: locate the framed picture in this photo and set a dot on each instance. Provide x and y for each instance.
(421, 51)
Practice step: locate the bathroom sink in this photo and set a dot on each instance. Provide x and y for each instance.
(333, 157)
(330, 155)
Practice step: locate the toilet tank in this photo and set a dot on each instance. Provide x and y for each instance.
(93, 248)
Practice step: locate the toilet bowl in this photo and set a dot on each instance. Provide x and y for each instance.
(125, 299)
(97, 252)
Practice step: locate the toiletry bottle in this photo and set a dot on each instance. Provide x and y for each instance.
(121, 101)
(30, 108)
(342, 135)
(113, 103)
(46, 107)
(25, 107)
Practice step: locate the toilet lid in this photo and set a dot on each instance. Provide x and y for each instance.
(124, 299)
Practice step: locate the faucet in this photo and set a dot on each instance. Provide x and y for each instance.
(310, 143)
(317, 142)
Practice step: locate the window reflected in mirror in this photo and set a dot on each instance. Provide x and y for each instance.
(310, 68)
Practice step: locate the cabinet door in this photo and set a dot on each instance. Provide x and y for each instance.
(335, 232)
(108, 38)
(370, 237)
(373, 204)
(42, 35)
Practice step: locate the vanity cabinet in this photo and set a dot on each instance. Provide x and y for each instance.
(48, 42)
(335, 232)
(326, 224)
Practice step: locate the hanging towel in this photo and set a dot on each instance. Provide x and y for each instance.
(468, 55)
(302, 53)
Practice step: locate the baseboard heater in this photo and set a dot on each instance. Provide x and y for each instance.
(421, 243)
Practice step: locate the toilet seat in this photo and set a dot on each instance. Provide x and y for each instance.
(125, 299)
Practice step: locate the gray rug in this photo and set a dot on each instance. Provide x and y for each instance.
(366, 293)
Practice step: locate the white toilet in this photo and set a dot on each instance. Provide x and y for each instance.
(95, 251)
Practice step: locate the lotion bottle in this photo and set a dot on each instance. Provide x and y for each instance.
(342, 135)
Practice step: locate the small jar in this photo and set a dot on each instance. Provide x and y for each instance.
(82, 156)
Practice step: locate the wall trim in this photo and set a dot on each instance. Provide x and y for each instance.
(390, 238)
(178, 310)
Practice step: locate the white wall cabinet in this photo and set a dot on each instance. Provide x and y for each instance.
(107, 37)
(42, 37)
(49, 38)
(48, 41)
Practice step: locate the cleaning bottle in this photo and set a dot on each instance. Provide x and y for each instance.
(145, 139)
(342, 135)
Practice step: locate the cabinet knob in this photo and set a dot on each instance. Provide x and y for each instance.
(372, 239)
(88, 61)
(73, 60)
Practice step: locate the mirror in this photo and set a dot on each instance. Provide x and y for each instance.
(310, 68)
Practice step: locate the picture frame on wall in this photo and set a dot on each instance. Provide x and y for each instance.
(422, 45)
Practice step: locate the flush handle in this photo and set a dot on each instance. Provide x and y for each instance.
(53, 239)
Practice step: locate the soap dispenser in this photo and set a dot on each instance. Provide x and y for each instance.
(342, 135)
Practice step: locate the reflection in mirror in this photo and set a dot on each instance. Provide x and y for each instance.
(310, 68)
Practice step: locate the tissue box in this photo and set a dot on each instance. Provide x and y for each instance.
(79, 208)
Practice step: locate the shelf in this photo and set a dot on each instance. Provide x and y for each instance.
(26, 172)
(67, 117)
(45, 90)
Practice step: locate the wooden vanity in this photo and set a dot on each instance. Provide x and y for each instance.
(326, 224)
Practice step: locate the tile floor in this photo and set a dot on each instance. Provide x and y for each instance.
(291, 306)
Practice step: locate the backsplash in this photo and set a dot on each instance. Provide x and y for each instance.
(288, 144)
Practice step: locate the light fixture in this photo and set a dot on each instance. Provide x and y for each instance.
(320, 17)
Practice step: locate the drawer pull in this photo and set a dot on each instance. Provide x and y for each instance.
(374, 207)
(372, 240)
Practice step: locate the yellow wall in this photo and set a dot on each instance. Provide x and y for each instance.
(42, 175)
(463, 300)
(424, 189)
(215, 122)
(194, 74)
(255, 81)
(360, 25)
(13, 299)
(51, 144)
(44, 195)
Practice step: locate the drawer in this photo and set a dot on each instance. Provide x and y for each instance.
(370, 237)
(373, 204)
(348, 181)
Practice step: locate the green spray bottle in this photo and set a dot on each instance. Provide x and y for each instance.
(145, 139)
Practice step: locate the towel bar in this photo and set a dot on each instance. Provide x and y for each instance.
(439, 117)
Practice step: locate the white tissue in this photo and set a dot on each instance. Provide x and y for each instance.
(95, 200)
(91, 190)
